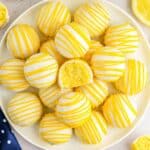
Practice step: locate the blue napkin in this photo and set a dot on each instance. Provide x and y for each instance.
(7, 138)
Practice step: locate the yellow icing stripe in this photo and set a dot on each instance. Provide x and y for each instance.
(54, 131)
(52, 16)
(134, 78)
(50, 48)
(41, 70)
(12, 75)
(119, 111)
(92, 130)
(25, 109)
(108, 64)
(78, 110)
(124, 37)
(94, 17)
(23, 41)
(96, 92)
(72, 41)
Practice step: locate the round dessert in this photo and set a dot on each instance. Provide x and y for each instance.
(134, 79)
(94, 46)
(123, 37)
(74, 73)
(41, 70)
(72, 40)
(119, 111)
(96, 92)
(4, 16)
(25, 109)
(52, 16)
(50, 95)
(54, 131)
(73, 109)
(108, 64)
(50, 48)
(12, 75)
(141, 143)
(94, 17)
(92, 130)
(23, 41)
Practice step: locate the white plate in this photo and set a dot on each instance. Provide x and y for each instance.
(114, 135)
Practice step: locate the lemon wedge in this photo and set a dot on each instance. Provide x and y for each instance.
(141, 10)
(4, 17)
(74, 73)
(141, 143)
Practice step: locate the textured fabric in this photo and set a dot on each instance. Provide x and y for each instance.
(7, 138)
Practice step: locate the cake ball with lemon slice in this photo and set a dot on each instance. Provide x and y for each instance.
(123, 37)
(94, 17)
(108, 64)
(93, 130)
(41, 70)
(12, 75)
(119, 111)
(141, 143)
(134, 78)
(25, 109)
(54, 131)
(73, 109)
(52, 16)
(72, 40)
(23, 41)
(50, 95)
(50, 48)
(96, 92)
(94, 46)
(74, 73)
(4, 16)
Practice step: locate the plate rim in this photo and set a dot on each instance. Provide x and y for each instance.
(147, 45)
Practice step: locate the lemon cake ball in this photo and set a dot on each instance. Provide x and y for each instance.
(124, 37)
(52, 16)
(50, 48)
(94, 17)
(54, 131)
(41, 70)
(73, 109)
(141, 143)
(93, 130)
(96, 92)
(74, 73)
(25, 109)
(134, 79)
(108, 64)
(94, 46)
(23, 41)
(50, 95)
(72, 40)
(119, 111)
(4, 18)
(12, 75)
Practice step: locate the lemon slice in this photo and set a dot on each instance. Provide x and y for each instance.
(141, 10)
(141, 143)
(74, 73)
(4, 17)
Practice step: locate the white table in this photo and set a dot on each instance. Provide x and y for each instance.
(16, 7)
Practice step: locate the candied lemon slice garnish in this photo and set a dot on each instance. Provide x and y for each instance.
(74, 73)
(141, 143)
(141, 10)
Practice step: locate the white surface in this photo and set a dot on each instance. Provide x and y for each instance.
(142, 129)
